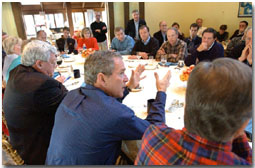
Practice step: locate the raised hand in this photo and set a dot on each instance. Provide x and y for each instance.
(136, 77)
(162, 84)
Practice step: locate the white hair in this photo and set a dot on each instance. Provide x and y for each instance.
(36, 50)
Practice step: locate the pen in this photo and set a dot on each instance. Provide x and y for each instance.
(67, 78)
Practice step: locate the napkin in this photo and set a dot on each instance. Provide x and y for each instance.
(168, 64)
(65, 56)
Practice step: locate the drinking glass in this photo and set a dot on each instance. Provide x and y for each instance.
(59, 60)
(151, 59)
(181, 63)
(163, 59)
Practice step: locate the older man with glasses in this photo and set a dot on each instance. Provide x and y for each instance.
(161, 34)
(30, 102)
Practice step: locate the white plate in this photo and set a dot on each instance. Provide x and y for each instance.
(69, 60)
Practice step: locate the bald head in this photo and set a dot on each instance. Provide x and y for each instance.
(163, 26)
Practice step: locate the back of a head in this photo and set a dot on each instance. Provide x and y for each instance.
(36, 50)
(218, 99)
(99, 61)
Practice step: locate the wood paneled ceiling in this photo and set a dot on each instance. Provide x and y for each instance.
(52, 7)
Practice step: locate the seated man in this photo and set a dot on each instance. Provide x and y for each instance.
(161, 34)
(239, 32)
(122, 43)
(244, 53)
(218, 108)
(174, 48)
(208, 50)
(147, 45)
(66, 42)
(30, 102)
(193, 40)
(91, 121)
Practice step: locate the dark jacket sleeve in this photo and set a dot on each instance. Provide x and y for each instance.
(191, 59)
(50, 95)
(104, 31)
(154, 47)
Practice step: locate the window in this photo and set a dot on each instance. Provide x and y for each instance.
(30, 25)
(78, 20)
(50, 21)
(59, 20)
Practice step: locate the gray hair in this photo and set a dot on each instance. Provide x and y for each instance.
(36, 50)
(99, 62)
(245, 32)
(174, 29)
(9, 43)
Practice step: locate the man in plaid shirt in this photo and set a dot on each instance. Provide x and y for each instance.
(174, 48)
(218, 108)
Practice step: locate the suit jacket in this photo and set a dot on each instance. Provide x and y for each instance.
(90, 125)
(130, 29)
(159, 37)
(70, 43)
(30, 103)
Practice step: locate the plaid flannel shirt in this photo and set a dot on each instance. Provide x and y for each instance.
(162, 145)
(180, 48)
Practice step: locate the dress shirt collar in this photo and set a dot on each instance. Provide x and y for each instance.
(147, 41)
(227, 146)
(211, 45)
(123, 39)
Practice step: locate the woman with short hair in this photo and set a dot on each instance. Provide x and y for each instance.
(12, 47)
(87, 39)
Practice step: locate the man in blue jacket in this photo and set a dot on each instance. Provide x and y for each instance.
(91, 121)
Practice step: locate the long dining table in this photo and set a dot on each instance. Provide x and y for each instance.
(137, 98)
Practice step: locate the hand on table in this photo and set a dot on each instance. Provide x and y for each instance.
(144, 55)
(136, 77)
(61, 79)
(162, 84)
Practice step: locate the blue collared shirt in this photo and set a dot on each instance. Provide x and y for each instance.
(123, 47)
(147, 41)
(90, 125)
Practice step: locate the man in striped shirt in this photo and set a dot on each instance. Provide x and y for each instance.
(218, 108)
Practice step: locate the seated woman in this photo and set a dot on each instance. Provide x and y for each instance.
(12, 47)
(87, 39)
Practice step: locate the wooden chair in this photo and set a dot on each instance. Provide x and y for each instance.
(9, 155)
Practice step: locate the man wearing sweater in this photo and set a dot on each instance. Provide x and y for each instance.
(208, 50)
(99, 30)
(147, 45)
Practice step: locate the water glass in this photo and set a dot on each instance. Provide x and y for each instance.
(180, 63)
(163, 59)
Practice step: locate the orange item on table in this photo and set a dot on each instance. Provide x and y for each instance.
(186, 72)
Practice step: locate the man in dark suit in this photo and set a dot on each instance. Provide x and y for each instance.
(193, 39)
(30, 102)
(66, 42)
(134, 24)
(161, 34)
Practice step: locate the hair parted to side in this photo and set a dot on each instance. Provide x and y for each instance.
(144, 26)
(36, 50)
(99, 62)
(135, 11)
(117, 29)
(210, 30)
(86, 29)
(9, 43)
(174, 29)
(66, 28)
(194, 25)
(218, 99)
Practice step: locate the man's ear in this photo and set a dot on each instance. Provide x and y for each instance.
(38, 64)
(101, 79)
